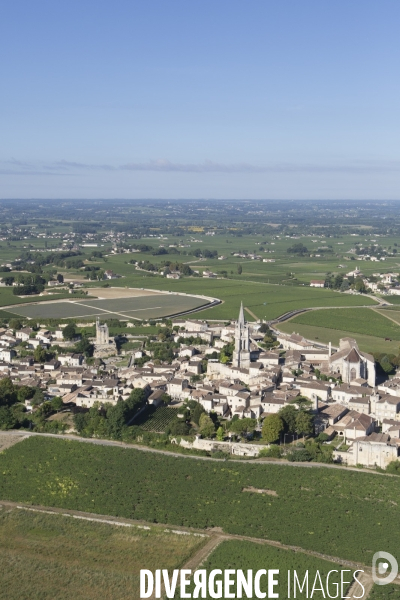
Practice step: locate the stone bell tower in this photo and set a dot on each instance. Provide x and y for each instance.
(241, 354)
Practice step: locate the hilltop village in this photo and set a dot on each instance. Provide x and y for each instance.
(227, 370)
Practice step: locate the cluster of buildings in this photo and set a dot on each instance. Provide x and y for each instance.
(251, 382)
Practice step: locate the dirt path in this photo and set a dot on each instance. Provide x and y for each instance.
(385, 314)
(7, 440)
(198, 559)
(215, 538)
(355, 588)
(251, 313)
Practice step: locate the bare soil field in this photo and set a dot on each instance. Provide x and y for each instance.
(7, 440)
(117, 292)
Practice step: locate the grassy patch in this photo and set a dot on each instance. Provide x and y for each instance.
(198, 493)
(53, 556)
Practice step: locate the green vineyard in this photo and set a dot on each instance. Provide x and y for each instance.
(156, 419)
(314, 508)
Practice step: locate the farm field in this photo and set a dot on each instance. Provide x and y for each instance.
(156, 419)
(393, 315)
(367, 343)
(138, 307)
(355, 320)
(7, 297)
(205, 493)
(245, 555)
(267, 301)
(58, 557)
(385, 592)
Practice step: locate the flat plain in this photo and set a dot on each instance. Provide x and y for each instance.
(134, 307)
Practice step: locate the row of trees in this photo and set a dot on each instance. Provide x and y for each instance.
(295, 417)
(109, 421)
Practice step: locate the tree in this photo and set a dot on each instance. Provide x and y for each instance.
(7, 418)
(60, 278)
(242, 425)
(304, 422)
(298, 248)
(84, 346)
(16, 324)
(239, 269)
(345, 286)
(360, 285)
(272, 428)
(179, 428)
(166, 398)
(8, 280)
(288, 415)
(37, 398)
(57, 403)
(8, 394)
(81, 421)
(206, 426)
(197, 412)
(24, 393)
(220, 434)
(40, 354)
(69, 332)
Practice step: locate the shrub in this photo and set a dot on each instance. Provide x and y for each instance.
(271, 452)
(301, 455)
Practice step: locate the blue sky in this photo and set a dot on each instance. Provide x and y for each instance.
(200, 99)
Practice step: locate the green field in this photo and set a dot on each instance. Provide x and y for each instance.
(353, 320)
(247, 555)
(314, 508)
(385, 592)
(265, 300)
(156, 419)
(367, 343)
(393, 315)
(140, 307)
(55, 557)
(369, 327)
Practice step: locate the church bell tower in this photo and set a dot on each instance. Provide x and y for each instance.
(241, 354)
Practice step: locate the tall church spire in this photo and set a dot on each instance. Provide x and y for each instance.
(241, 353)
(241, 320)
